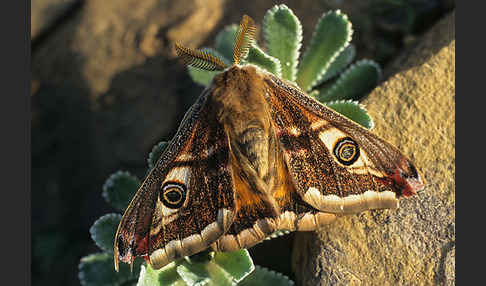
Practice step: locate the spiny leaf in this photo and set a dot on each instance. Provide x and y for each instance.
(331, 35)
(354, 83)
(199, 59)
(237, 264)
(197, 274)
(258, 57)
(340, 63)
(314, 93)
(103, 231)
(156, 152)
(119, 189)
(352, 110)
(225, 268)
(200, 76)
(264, 276)
(97, 270)
(166, 276)
(283, 36)
(244, 39)
(201, 257)
(210, 268)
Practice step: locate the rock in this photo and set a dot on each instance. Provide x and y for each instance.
(414, 110)
(449, 269)
(120, 55)
(45, 12)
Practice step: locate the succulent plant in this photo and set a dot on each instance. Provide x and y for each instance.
(324, 72)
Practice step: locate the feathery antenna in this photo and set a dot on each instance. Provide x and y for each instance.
(199, 59)
(244, 39)
(207, 61)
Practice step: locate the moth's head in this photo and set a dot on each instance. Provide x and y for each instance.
(207, 61)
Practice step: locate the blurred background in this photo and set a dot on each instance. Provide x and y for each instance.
(106, 87)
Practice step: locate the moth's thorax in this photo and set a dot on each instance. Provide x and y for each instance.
(240, 91)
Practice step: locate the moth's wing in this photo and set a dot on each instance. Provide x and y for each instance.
(295, 213)
(196, 164)
(336, 165)
(253, 222)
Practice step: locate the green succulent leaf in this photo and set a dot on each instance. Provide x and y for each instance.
(264, 276)
(119, 189)
(352, 110)
(237, 264)
(225, 268)
(354, 83)
(283, 35)
(331, 35)
(340, 63)
(259, 58)
(314, 94)
(155, 154)
(225, 41)
(166, 276)
(204, 256)
(200, 76)
(204, 77)
(98, 270)
(198, 274)
(103, 231)
(209, 268)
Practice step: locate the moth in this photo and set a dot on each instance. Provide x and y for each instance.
(253, 155)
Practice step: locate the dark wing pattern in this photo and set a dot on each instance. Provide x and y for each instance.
(336, 165)
(187, 201)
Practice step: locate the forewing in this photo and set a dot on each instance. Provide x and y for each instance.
(336, 165)
(187, 200)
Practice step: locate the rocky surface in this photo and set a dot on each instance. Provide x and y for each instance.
(415, 245)
(45, 12)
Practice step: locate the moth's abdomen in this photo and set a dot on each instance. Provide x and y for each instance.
(253, 144)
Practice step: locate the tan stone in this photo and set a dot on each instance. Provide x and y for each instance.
(118, 53)
(415, 110)
(45, 12)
